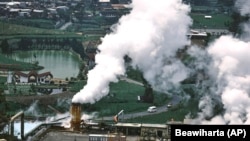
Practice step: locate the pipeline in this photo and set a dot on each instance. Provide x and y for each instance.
(12, 119)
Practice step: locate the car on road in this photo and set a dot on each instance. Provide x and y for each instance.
(169, 105)
(152, 109)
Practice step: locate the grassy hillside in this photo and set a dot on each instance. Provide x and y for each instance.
(9, 29)
(123, 95)
(10, 64)
(217, 21)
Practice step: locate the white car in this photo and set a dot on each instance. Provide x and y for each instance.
(152, 109)
(169, 105)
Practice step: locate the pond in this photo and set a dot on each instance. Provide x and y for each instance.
(62, 64)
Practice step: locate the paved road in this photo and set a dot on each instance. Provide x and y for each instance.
(131, 81)
(65, 25)
(134, 115)
(175, 100)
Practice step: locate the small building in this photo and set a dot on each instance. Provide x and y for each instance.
(149, 132)
(13, 12)
(110, 13)
(62, 8)
(128, 128)
(13, 4)
(31, 77)
(208, 17)
(36, 13)
(91, 51)
(52, 10)
(154, 132)
(104, 5)
(124, 1)
(119, 6)
(198, 38)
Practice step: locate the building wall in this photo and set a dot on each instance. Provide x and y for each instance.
(9, 78)
(23, 79)
(43, 80)
(152, 134)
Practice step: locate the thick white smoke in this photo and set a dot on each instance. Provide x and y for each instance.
(150, 35)
(231, 68)
(243, 7)
(231, 73)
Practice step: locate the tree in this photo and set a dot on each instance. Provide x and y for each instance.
(2, 101)
(24, 43)
(5, 47)
(81, 74)
(148, 96)
(3, 119)
(234, 26)
(227, 2)
(114, 1)
(200, 2)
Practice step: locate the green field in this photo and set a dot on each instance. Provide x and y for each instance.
(2, 81)
(40, 23)
(13, 31)
(123, 95)
(217, 21)
(10, 29)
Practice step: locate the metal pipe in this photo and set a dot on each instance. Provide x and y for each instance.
(12, 119)
(54, 109)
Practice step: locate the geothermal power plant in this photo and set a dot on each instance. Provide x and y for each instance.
(153, 35)
(79, 130)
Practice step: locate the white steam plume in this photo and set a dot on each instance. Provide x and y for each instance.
(243, 6)
(230, 59)
(229, 84)
(33, 109)
(227, 98)
(150, 35)
(230, 68)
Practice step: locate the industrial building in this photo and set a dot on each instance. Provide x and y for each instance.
(79, 130)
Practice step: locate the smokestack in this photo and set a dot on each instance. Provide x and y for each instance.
(75, 111)
(12, 120)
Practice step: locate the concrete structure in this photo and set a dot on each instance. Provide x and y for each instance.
(197, 38)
